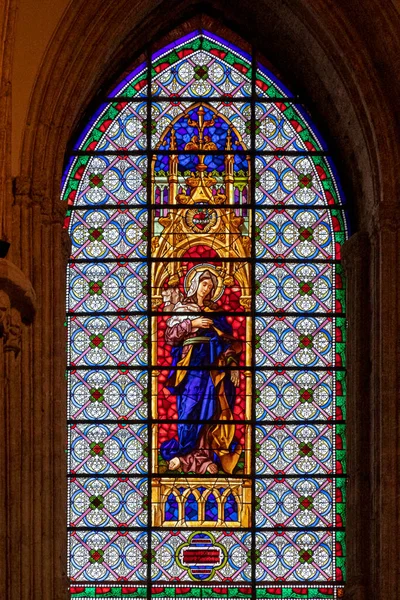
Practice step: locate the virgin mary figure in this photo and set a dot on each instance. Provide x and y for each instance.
(205, 391)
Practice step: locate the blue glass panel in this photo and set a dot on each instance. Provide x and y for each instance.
(191, 508)
(171, 508)
(211, 508)
(230, 509)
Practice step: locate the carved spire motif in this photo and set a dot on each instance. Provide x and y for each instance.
(201, 183)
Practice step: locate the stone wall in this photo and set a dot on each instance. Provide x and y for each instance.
(343, 57)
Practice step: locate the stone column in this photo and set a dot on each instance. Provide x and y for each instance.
(8, 10)
(17, 307)
(383, 497)
(36, 403)
(357, 265)
(373, 503)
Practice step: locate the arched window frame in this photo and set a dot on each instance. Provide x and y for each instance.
(252, 190)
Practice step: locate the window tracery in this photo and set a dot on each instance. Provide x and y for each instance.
(206, 337)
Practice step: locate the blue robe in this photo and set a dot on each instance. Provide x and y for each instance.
(196, 394)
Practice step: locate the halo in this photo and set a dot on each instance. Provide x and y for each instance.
(205, 267)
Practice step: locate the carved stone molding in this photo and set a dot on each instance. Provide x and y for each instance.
(17, 304)
(25, 195)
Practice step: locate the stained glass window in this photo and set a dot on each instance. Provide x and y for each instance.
(206, 328)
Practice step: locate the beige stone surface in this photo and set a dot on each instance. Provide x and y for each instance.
(36, 24)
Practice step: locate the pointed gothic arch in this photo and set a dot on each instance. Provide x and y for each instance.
(250, 399)
(36, 195)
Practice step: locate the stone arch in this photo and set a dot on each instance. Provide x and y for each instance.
(335, 89)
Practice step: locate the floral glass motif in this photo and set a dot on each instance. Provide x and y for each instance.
(206, 338)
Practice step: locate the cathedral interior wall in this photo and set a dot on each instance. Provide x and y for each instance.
(343, 58)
